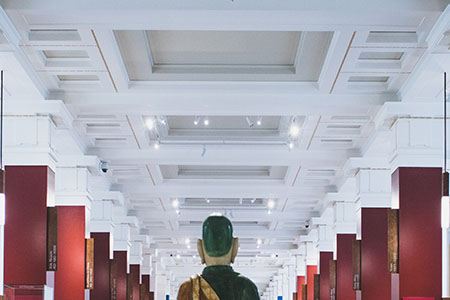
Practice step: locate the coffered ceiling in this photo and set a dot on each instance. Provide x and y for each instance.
(228, 109)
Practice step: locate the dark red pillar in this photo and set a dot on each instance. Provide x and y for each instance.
(300, 282)
(145, 291)
(418, 192)
(102, 287)
(375, 275)
(119, 275)
(26, 189)
(134, 277)
(310, 272)
(152, 295)
(324, 268)
(344, 264)
(69, 277)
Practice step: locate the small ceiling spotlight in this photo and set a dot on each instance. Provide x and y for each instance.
(150, 123)
(197, 120)
(270, 204)
(177, 212)
(188, 246)
(258, 241)
(273, 256)
(206, 121)
(156, 145)
(294, 130)
(253, 200)
(269, 211)
(178, 256)
(208, 200)
(291, 145)
(250, 123)
(175, 203)
(187, 241)
(259, 121)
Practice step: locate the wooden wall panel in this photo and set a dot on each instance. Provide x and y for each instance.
(393, 241)
(89, 264)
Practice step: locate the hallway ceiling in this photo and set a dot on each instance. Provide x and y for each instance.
(229, 109)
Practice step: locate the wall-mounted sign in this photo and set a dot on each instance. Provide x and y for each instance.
(333, 279)
(356, 262)
(52, 238)
(393, 241)
(113, 279)
(89, 268)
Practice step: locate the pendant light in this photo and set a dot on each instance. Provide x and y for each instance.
(2, 172)
(445, 201)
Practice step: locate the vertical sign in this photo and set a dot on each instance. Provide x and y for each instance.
(130, 288)
(52, 238)
(113, 279)
(356, 262)
(89, 267)
(305, 292)
(393, 241)
(333, 279)
(316, 286)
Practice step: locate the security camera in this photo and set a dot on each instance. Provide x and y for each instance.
(307, 224)
(104, 166)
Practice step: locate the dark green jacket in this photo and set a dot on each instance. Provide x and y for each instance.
(229, 285)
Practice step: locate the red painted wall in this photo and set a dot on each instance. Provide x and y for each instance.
(120, 258)
(146, 284)
(102, 287)
(419, 194)
(325, 258)
(134, 276)
(69, 277)
(300, 280)
(344, 289)
(310, 272)
(375, 276)
(26, 224)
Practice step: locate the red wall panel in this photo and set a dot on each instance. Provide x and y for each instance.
(375, 276)
(310, 272)
(26, 191)
(134, 276)
(419, 195)
(344, 289)
(120, 259)
(325, 258)
(102, 288)
(300, 281)
(69, 277)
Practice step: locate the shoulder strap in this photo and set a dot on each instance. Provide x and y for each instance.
(201, 287)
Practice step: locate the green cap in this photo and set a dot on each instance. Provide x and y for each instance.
(217, 235)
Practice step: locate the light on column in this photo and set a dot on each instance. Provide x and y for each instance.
(2, 198)
(2, 172)
(445, 205)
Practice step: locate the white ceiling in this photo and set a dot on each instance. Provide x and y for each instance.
(319, 66)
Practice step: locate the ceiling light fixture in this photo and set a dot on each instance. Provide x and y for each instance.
(294, 130)
(270, 204)
(187, 241)
(156, 144)
(178, 256)
(207, 200)
(197, 120)
(258, 241)
(150, 123)
(250, 123)
(291, 145)
(259, 121)
(206, 121)
(175, 203)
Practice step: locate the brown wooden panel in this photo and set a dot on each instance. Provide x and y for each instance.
(52, 239)
(393, 241)
(317, 287)
(333, 279)
(356, 261)
(305, 292)
(89, 267)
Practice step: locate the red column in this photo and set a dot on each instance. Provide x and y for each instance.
(27, 189)
(375, 276)
(418, 192)
(344, 289)
(119, 275)
(300, 282)
(146, 287)
(69, 277)
(134, 276)
(325, 258)
(102, 287)
(310, 272)
(152, 296)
